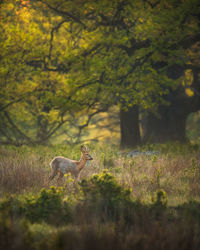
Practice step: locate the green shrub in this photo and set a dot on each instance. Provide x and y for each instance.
(47, 206)
(11, 205)
(103, 194)
(160, 199)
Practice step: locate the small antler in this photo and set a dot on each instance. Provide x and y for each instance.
(83, 148)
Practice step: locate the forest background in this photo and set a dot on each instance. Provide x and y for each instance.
(76, 71)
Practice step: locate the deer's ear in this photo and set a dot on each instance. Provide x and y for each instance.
(83, 148)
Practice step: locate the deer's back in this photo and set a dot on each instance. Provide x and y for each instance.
(64, 165)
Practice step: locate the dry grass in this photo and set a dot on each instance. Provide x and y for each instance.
(178, 175)
(19, 173)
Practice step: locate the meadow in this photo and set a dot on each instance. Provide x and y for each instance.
(121, 202)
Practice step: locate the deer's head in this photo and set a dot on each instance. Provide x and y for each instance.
(85, 153)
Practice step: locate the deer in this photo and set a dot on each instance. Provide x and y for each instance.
(61, 165)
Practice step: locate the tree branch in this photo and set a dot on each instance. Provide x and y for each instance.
(64, 14)
(15, 128)
(135, 45)
(152, 5)
(10, 103)
(56, 28)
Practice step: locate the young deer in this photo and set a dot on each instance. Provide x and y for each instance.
(61, 165)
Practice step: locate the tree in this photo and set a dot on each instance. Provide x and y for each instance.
(100, 53)
(110, 52)
(35, 101)
(169, 124)
(139, 43)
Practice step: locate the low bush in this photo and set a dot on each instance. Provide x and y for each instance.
(160, 199)
(102, 194)
(47, 206)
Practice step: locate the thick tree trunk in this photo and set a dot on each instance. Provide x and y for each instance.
(169, 125)
(129, 125)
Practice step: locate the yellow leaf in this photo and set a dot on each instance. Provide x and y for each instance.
(189, 92)
(189, 76)
(183, 83)
(140, 19)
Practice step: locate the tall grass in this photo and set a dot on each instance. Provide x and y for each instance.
(21, 172)
(27, 169)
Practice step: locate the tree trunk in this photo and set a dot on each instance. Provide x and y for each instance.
(129, 125)
(169, 125)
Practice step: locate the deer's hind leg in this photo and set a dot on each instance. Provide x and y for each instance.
(52, 176)
(55, 172)
(55, 166)
(60, 177)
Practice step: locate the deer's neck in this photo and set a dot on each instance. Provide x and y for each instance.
(81, 163)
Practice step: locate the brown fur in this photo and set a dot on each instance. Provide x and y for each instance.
(61, 165)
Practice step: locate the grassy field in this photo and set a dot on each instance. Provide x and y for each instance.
(121, 202)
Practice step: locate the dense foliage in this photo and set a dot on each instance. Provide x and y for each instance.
(61, 64)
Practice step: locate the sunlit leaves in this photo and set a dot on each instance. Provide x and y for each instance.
(72, 56)
(187, 82)
(189, 92)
